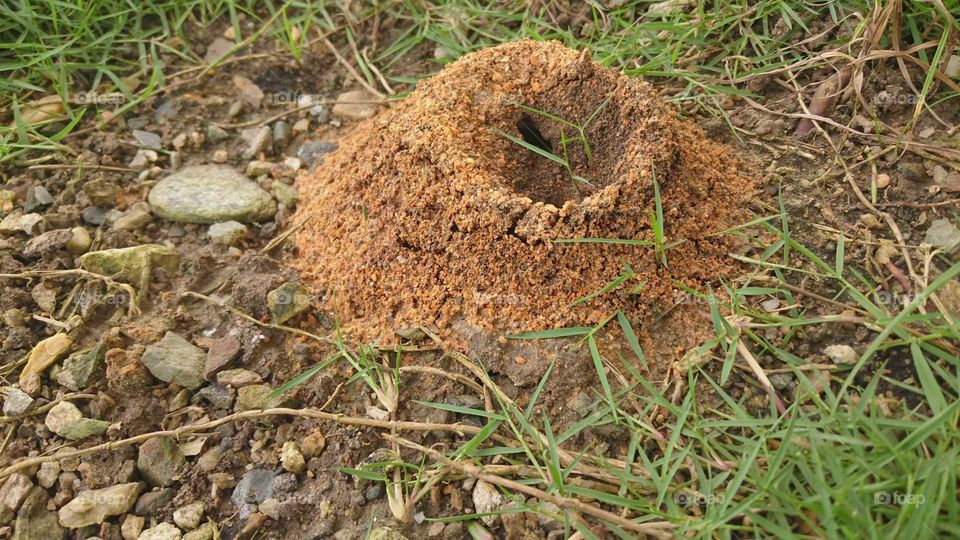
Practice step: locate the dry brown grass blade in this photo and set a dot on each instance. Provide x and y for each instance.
(824, 98)
(924, 149)
(760, 374)
(657, 529)
(349, 67)
(133, 310)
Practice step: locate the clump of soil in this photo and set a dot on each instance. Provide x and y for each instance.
(429, 212)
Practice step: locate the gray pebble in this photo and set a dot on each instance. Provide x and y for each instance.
(37, 197)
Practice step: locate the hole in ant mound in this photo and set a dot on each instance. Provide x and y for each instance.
(564, 149)
(534, 174)
(531, 135)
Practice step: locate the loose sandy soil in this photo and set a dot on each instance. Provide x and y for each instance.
(429, 212)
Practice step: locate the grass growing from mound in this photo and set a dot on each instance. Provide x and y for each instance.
(542, 147)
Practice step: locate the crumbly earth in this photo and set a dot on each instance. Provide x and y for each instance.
(429, 212)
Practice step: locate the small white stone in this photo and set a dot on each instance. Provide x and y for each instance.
(61, 416)
(487, 499)
(17, 402)
(291, 458)
(163, 531)
(132, 527)
(48, 473)
(188, 517)
(227, 233)
(771, 305)
(953, 67)
(841, 354)
(271, 508)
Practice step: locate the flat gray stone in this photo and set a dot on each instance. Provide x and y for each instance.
(174, 359)
(210, 194)
(80, 369)
(34, 521)
(287, 301)
(255, 487)
(66, 420)
(147, 139)
(258, 140)
(312, 152)
(152, 502)
(227, 233)
(17, 402)
(218, 395)
(37, 197)
(944, 234)
(160, 461)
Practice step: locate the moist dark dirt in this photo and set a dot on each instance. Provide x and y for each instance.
(429, 211)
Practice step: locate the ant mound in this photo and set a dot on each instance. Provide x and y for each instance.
(461, 201)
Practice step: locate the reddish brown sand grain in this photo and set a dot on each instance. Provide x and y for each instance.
(426, 213)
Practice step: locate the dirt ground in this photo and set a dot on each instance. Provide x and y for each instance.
(390, 270)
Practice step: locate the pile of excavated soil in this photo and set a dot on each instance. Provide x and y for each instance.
(429, 212)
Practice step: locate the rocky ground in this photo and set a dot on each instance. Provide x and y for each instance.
(100, 344)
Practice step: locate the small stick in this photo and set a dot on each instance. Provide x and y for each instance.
(761, 376)
(246, 317)
(296, 110)
(72, 167)
(350, 68)
(44, 408)
(439, 372)
(377, 72)
(460, 429)
(283, 236)
(909, 204)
